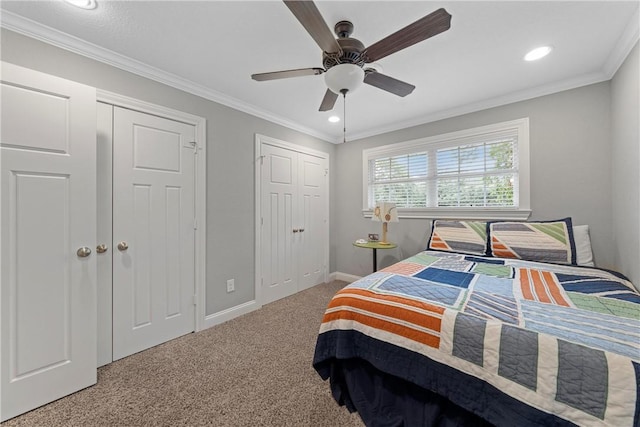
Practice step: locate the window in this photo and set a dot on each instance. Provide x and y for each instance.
(476, 173)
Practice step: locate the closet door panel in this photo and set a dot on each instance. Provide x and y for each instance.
(314, 210)
(48, 213)
(279, 256)
(153, 231)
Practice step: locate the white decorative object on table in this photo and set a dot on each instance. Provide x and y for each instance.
(385, 212)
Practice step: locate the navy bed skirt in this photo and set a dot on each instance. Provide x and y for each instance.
(383, 400)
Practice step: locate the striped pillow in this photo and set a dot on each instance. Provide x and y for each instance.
(543, 241)
(468, 237)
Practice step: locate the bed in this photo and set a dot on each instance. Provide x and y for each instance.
(494, 324)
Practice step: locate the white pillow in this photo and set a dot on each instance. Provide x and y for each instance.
(584, 254)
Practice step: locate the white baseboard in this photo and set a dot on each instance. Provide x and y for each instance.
(349, 278)
(248, 307)
(230, 313)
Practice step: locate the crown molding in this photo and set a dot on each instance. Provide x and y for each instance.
(626, 42)
(76, 45)
(523, 95)
(35, 30)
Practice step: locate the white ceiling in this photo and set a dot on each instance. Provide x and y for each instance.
(212, 47)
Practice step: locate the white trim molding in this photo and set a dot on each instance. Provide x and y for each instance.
(623, 47)
(230, 313)
(510, 98)
(461, 213)
(200, 125)
(345, 277)
(30, 28)
(38, 31)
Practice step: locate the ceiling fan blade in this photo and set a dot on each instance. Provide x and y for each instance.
(384, 82)
(328, 101)
(429, 26)
(309, 16)
(287, 73)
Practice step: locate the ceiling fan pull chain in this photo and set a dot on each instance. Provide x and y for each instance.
(344, 116)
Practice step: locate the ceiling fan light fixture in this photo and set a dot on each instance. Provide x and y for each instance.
(538, 53)
(341, 77)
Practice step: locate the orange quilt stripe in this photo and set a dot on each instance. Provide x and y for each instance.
(403, 331)
(502, 253)
(554, 289)
(495, 242)
(525, 285)
(394, 298)
(438, 243)
(500, 249)
(420, 319)
(538, 286)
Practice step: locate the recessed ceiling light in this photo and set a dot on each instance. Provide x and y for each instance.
(83, 4)
(537, 53)
(334, 119)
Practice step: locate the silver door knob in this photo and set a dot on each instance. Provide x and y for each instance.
(83, 252)
(102, 248)
(302, 230)
(123, 246)
(295, 230)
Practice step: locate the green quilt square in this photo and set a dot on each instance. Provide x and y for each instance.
(612, 306)
(493, 270)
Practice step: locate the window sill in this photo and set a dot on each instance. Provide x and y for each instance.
(461, 213)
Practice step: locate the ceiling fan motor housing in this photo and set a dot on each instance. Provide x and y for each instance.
(343, 29)
(351, 48)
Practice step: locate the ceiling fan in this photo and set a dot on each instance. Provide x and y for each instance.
(345, 59)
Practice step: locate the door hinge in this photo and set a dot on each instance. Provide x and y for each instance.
(195, 223)
(261, 221)
(195, 299)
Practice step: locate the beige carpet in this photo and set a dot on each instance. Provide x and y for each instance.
(254, 370)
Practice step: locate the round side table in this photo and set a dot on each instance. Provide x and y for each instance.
(375, 246)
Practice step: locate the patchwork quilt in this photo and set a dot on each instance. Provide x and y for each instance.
(536, 343)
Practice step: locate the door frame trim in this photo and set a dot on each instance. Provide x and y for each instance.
(200, 124)
(259, 141)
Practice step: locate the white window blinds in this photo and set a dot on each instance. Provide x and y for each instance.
(400, 179)
(483, 174)
(470, 169)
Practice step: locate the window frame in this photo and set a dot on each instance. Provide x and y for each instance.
(521, 129)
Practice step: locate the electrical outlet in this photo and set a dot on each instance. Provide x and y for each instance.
(231, 285)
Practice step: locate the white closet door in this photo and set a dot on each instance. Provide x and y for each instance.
(279, 187)
(294, 209)
(48, 211)
(313, 209)
(153, 222)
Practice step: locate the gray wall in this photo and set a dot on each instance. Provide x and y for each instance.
(230, 154)
(570, 155)
(572, 142)
(625, 145)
